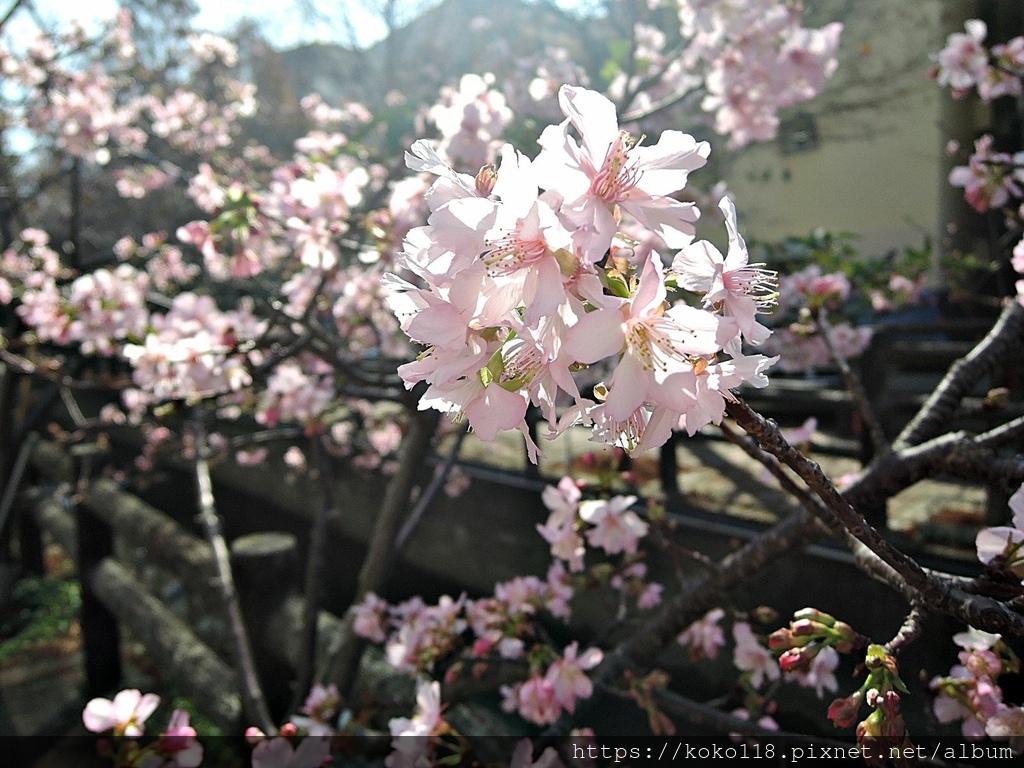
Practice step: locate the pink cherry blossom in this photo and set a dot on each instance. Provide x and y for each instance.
(1004, 540)
(743, 288)
(566, 676)
(750, 655)
(178, 745)
(279, 752)
(655, 344)
(963, 63)
(821, 674)
(125, 715)
(607, 169)
(616, 528)
(704, 637)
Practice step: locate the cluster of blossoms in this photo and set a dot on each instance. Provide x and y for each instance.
(124, 718)
(416, 635)
(193, 350)
(970, 693)
(610, 524)
(992, 180)
(804, 294)
(84, 109)
(809, 661)
(520, 289)
(759, 59)
(965, 64)
(882, 735)
(471, 120)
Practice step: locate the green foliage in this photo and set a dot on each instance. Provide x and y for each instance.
(44, 609)
(837, 252)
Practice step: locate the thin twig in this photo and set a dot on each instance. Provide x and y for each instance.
(854, 386)
(427, 497)
(962, 376)
(7, 16)
(28, 368)
(342, 660)
(986, 614)
(253, 701)
(805, 499)
(908, 632)
(314, 582)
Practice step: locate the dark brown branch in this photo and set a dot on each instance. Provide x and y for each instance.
(908, 632)
(806, 500)
(938, 593)
(962, 376)
(253, 701)
(343, 658)
(314, 581)
(427, 497)
(854, 386)
(1010, 432)
(28, 368)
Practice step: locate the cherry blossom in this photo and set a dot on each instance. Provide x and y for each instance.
(704, 637)
(411, 736)
(1005, 541)
(988, 178)
(751, 656)
(963, 63)
(178, 745)
(567, 679)
(616, 528)
(743, 288)
(608, 169)
(125, 715)
(820, 673)
(279, 752)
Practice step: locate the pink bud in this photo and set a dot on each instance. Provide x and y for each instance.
(843, 712)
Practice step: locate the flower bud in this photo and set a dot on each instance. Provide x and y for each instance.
(806, 628)
(764, 614)
(798, 659)
(483, 646)
(870, 727)
(485, 179)
(453, 672)
(813, 614)
(784, 639)
(288, 730)
(254, 735)
(780, 640)
(843, 712)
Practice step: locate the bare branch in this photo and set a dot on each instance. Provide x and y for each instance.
(253, 701)
(854, 386)
(962, 376)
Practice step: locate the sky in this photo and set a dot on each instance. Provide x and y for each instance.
(283, 24)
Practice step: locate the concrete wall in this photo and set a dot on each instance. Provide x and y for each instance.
(876, 168)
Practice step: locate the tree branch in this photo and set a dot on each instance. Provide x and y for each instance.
(253, 701)
(962, 376)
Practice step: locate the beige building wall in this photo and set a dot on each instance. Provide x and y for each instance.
(876, 168)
